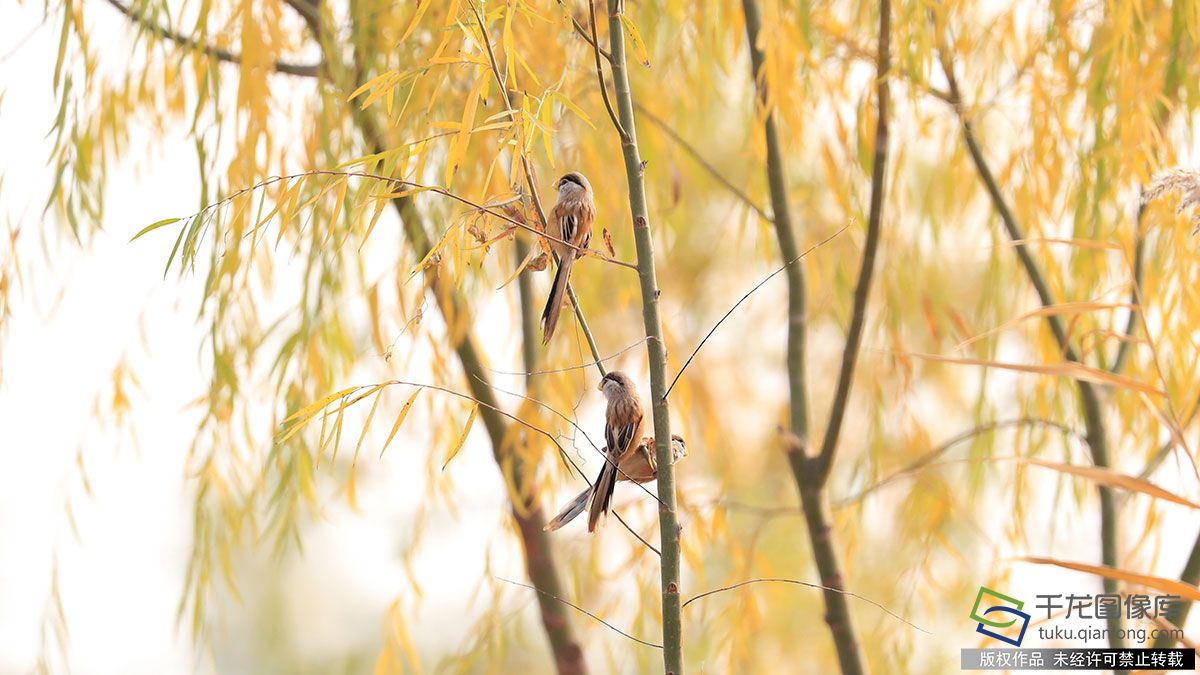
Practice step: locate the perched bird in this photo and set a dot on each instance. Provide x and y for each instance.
(622, 429)
(637, 466)
(570, 221)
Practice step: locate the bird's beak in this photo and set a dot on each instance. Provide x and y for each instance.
(600, 386)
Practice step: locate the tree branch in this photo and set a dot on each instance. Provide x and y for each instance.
(862, 290)
(533, 190)
(139, 18)
(704, 163)
(807, 477)
(655, 348)
(1089, 399)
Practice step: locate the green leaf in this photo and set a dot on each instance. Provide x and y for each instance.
(154, 226)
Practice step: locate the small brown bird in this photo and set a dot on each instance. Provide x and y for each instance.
(622, 429)
(637, 466)
(570, 221)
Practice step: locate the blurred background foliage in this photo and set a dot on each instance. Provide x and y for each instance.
(313, 284)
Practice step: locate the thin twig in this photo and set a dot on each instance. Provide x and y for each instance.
(583, 33)
(578, 609)
(807, 584)
(416, 187)
(612, 114)
(704, 163)
(634, 533)
(745, 297)
(603, 451)
(578, 366)
(446, 390)
(533, 190)
(928, 458)
(135, 15)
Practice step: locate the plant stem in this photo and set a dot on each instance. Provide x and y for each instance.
(655, 347)
(806, 471)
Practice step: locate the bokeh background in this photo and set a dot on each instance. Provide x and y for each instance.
(150, 522)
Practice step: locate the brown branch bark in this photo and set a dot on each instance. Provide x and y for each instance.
(806, 470)
(862, 290)
(137, 17)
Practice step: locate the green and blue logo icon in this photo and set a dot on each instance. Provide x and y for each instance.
(990, 611)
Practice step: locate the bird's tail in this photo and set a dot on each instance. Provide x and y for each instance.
(602, 494)
(569, 512)
(557, 292)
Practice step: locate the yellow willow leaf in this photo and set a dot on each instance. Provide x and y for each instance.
(458, 149)
(337, 208)
(351, 401)
(1114, 479)
(1059, 309)
(570, 105)
(546, 113)
(366, 426)
(1169, 586)
(1073, 371)
(639, 47)
(308, 411)
(422, 6)
(386, 87)
(462, 438)
(372, 83)
(399, 420)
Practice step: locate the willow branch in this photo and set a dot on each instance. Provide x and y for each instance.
(577, 608)
(655, 347)
(139, 18)
(806, 584)
(1097, 438)
(704, 163)
(583, 32)
(862, 290)
(523, 498)
(531, 182)
(612, 114)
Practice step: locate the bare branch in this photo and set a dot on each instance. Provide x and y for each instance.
(704, 163)
(807, 584)
(579, 609)
(612, 114)
(744, 298)
(862, 290)
(137, 17)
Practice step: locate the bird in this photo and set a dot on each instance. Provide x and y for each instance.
(622, 429)
(637, 466)
(570, 221)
